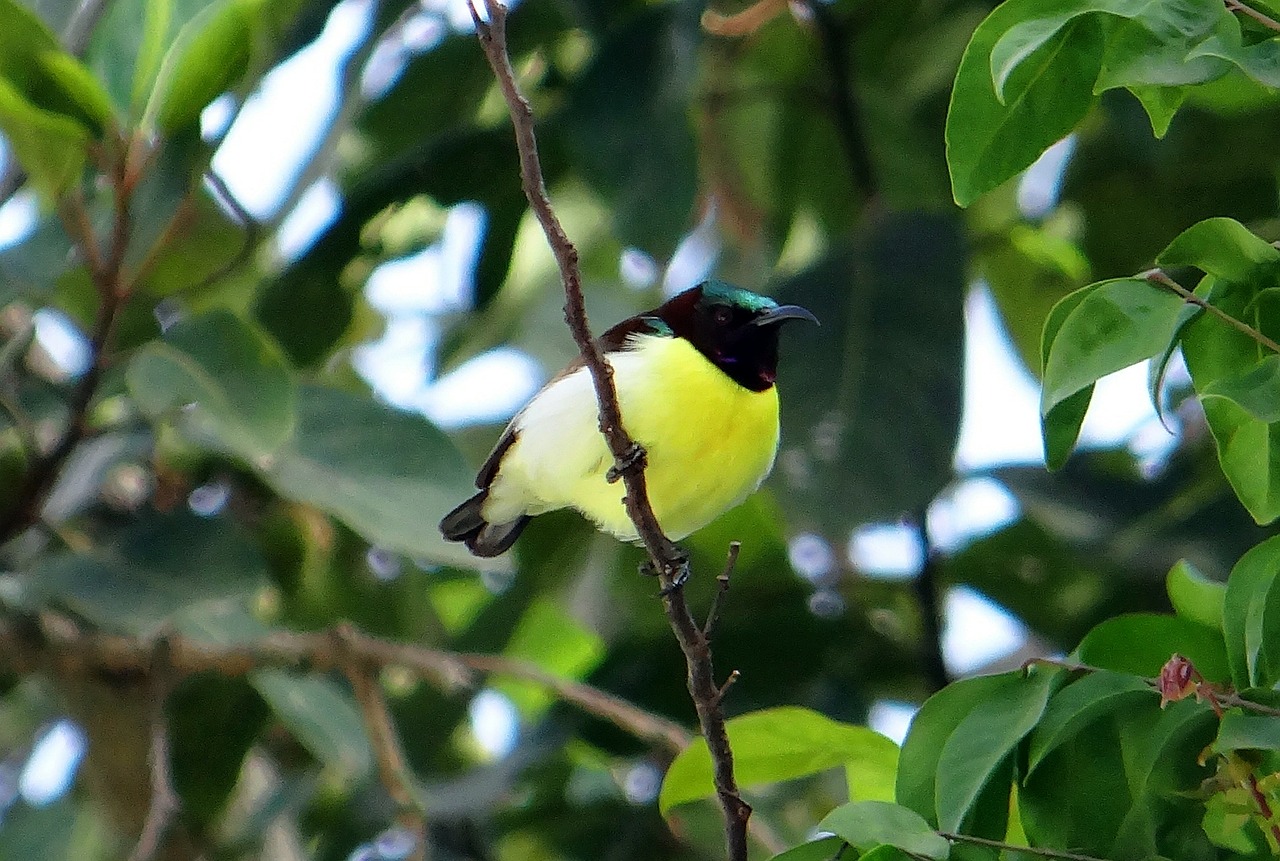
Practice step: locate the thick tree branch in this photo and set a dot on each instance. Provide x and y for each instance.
(666, 559)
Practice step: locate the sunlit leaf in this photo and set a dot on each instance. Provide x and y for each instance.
(864, 825)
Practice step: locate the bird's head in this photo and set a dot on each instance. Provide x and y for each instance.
(734, 328)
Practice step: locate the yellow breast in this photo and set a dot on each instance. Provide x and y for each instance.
(710, 442)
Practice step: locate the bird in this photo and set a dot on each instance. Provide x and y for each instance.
(695, 384)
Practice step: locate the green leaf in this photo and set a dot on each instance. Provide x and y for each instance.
(50, 147)
(817, 850)
(237, 382)
(864, 825)
(1256, 391)
(551, 638)
(1093, 332)
(146, 574)
(1048, 92)
(1141, 643)
(628, 124)
(80, 86)
(211, 53)
(1078, 704)
(1240, 730)
(937, 719)
(323, 716)
(388, 475)
(975, 750)
(1260, 60)
(780, 744)
(1160, 103)
(1194, 596)
(1222, 247)
(871, 398)
(1251, 616)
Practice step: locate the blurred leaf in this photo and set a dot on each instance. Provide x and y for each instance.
(50, 147)
(80, 86)
(138, 579)
(389, 475)
(1242, 731)
(1141, 643)
(864, 825)
(552, 639)
(627, 125)
(200, 709)
(1251, 617)
(323, 716)
(871, 399)
(210, 53)
(1050, 91)
(780, 744)
(1079, 704)
(225, 382)
(1194, 596)
(975, 749)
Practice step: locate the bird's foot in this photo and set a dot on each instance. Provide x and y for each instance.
(634, 458)
(677, 570)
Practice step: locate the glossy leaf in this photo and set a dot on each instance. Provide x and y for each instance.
(974, 751)
(1050, 91)
(781, 744)
(1241, 730)
(322, 715)
(864, 825)
(1194, 596)
(823, 849)
(1251, 616)
(1222, 247)
(1119, 324)
(1074, 707)
(1256, 391)
(1141, 643)
(224, 381)
(932, 726)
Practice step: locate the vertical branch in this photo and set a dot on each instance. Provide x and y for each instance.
(665, 558)
(925, 586)
(165, 803)
(393, 767)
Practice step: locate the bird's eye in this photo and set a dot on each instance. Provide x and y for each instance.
(722, 315)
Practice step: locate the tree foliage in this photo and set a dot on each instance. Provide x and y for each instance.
(220, 565)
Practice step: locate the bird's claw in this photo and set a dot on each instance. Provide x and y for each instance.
(679, 564)
(634, 457)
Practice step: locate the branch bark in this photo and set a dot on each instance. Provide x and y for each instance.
(666, 559)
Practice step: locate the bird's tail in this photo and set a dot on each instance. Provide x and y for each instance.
(466, 524)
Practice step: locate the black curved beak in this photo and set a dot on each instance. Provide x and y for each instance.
(783, 313)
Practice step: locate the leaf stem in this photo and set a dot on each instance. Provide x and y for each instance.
(1261, 17)
(1030, 850)
(1161, 278)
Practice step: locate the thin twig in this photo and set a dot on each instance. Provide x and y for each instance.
(165, 802)
(393, 767)
(1261, 17)
(722, 584)
(745, 22)
(1161, 278)
(23, 647)
(667, 560)
(1011, 847)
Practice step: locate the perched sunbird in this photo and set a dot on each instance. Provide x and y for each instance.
(695, 382)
